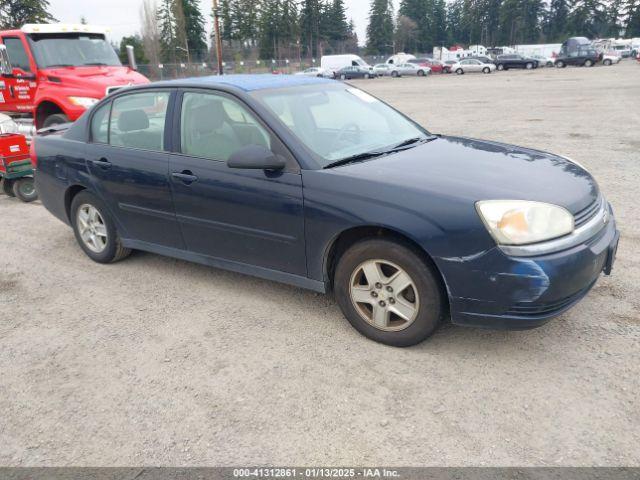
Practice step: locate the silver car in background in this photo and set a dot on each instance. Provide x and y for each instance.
(384, 70)
(470, 65)
(316, 72)
(412, 69)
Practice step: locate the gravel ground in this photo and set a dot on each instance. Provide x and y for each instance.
(155, 361)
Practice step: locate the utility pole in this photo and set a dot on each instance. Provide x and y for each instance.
(216, 29)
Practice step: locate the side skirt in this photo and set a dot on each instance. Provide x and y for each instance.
(261, 272)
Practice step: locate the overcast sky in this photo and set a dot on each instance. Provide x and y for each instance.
(123, 16)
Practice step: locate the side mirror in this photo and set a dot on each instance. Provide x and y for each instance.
(131, 57)
(256, 157)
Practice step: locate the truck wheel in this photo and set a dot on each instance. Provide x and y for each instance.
(94, 229)
(7, 187)
(55, 119)
(388, 292)
(25, 189)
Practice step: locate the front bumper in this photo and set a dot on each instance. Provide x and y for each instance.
(496, 290)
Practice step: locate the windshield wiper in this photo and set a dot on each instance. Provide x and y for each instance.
(55, 65)
(96, 64)
(356, 158)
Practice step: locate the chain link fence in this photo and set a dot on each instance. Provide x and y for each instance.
(166, 71)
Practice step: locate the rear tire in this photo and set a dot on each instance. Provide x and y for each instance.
(370, 304)
(55, 119)
(394, 74)
(529, 66)
(421, 73)
(98, 237)
(7, 187)
(607, 62)
(588, 63)
(25, 189)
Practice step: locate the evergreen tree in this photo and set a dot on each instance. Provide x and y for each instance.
(167, 32)
(15, 13)
(310, 14)
(632, 25)
(226, 25)
(194, 26)
(555, 27)
(380, 27)
(418, 12)
(586, 19)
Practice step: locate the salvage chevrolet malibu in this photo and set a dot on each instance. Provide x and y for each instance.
(318, 184)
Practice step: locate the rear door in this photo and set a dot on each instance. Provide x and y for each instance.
(246, 216)
(129, 164)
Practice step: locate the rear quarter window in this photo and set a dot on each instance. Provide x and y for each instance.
(100, 124)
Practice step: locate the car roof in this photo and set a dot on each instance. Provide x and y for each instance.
(247, 83)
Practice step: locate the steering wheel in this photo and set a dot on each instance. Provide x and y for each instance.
(349, 127)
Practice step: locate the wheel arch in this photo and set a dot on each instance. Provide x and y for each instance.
(341, 242)
(69, 195)
(44, 109)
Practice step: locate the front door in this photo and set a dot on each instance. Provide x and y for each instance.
(129, 166)
(245, 216)
(17, 83)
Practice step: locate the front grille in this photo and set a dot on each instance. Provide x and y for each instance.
(586, 214)
(530, 309)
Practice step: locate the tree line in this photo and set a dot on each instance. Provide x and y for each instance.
(173, 31)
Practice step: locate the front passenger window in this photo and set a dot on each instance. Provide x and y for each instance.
(215, 126)
(137, 120)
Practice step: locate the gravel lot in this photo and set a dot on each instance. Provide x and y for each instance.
(158, 361)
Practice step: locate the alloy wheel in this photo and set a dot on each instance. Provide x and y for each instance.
(92, 228)
(384, 295)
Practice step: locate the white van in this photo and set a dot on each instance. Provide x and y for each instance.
(333, 63)
(400, 58)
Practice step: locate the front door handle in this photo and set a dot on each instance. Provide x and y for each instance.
(103, 163)
(186, 176)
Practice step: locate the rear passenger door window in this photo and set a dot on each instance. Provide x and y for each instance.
(215, 126)
(138, 120)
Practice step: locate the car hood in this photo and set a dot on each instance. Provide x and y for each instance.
(94, 80)
(476, 170)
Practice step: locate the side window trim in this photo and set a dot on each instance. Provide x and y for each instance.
(292, 163)
(168, 122)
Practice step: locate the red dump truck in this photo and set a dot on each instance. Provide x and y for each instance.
(51, 73)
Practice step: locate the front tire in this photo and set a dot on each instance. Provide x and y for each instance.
(421, 73)
(55, 119)
(588, 63)
(24, 188)
(529, 66)
(459, 71)
(486, 70)
(7, 187)
(388, 292)
(95, 230)
(607, 62)
(500, 66)
(560, 64)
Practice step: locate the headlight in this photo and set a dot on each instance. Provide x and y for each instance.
(84, 102)
(518, 222)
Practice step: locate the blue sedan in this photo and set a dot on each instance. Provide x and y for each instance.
(318, 184)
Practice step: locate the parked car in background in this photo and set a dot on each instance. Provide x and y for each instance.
(435, 66)
(544, 61)
(483, 59)
(333, 63)
(505, 62)
(611, 57)
(384, 70)
(583, 57)
(446, 66)
(320, 185)
(410, 69)
(471, 65)
(316, 72)
(349, 73)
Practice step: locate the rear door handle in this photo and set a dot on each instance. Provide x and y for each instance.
(102, 163)
(186, 176)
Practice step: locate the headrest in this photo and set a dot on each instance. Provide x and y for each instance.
(131, 120)
(207, 116)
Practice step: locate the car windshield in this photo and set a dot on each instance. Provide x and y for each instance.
(72, 49)
(337, 122)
